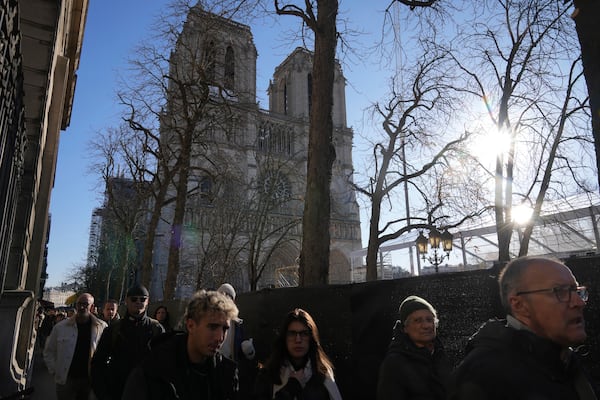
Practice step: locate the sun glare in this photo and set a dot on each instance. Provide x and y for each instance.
(488, 141)
(521, 214)
(488, 146)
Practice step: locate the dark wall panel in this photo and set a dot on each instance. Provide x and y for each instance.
(356, 320)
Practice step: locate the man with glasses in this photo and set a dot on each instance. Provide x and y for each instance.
(415, 366)
(123, 345)
(69, 348)
(529, 355)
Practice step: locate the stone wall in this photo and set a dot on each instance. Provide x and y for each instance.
(356, 320)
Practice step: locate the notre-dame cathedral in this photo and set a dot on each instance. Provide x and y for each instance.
(247, 179)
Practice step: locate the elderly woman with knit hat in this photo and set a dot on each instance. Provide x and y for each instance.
(415, 366)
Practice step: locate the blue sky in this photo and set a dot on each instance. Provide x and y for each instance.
(113, 28)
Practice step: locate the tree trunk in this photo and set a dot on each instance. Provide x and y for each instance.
(314, 258)
(177, 224)
(146, 262)
(373, 245)
(503, 180)
(586, 17)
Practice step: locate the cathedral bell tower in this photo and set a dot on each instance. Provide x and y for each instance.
(290, 90)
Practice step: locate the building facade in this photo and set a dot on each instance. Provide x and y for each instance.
(40, 42)
(247, 175)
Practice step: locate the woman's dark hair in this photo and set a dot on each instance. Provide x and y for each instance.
(321, 364)
(166, 313)
(166, 323)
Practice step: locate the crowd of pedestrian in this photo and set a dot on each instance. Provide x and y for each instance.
(527, 355)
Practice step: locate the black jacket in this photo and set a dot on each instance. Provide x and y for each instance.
(409, 372)
(123, 344)
(506, 363)
(167, 374)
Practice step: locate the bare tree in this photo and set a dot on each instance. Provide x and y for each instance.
(123, 209)
(410, 152)
(585, 15)
(314, 257)
(557, 138)
(84, 278)
(176, 97)
(147, 158)
(513, 60)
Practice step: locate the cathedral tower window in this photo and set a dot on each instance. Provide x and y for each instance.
(274, 139)
(229, 81)
(210, 55)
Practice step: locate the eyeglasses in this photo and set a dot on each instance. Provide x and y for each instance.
(562, 293)
(294, 334)
(138, 298)
(82, 304)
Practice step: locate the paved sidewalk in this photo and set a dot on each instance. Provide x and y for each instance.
(42, 381)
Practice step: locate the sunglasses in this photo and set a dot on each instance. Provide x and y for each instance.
(138, 298)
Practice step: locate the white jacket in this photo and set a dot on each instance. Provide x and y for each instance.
(60, 346)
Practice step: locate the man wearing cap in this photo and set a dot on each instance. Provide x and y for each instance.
(123, 345)
(529, 355)
(415, 366)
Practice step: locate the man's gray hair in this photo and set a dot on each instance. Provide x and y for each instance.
(511, 276)
(205, 301)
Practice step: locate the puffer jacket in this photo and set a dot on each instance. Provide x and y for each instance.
(506, 363)
(409, 372)
(60, 346)
(166, 374)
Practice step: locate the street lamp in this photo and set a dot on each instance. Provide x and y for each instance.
(435, 238)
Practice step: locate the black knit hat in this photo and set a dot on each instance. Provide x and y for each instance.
(412, 304)
(137, 290)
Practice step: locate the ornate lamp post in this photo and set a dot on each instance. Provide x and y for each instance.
(435, 238)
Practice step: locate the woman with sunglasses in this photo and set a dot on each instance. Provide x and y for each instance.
(298, 367)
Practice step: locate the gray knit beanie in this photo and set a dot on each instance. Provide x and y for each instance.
(412, 304)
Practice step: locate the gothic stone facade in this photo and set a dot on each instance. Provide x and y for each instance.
(253, 163)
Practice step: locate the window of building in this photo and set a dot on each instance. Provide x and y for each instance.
(277, 186)
(274, 138)
(229, 81)
(210, 56)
